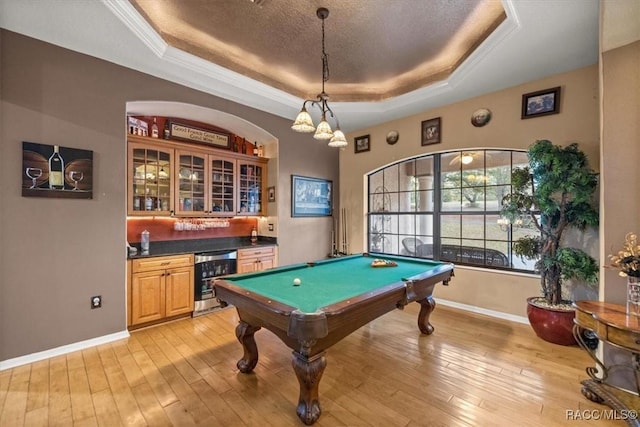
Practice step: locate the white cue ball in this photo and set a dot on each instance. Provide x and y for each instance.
(296, 282)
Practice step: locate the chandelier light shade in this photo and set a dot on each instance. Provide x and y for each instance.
(304, 122)
(323, 131)
(338, 140)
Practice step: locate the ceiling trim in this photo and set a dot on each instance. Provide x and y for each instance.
(290, 104)
(537, 40)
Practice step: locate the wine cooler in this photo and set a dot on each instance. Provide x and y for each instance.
(208, 266)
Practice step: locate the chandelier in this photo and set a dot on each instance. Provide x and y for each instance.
(303, 122)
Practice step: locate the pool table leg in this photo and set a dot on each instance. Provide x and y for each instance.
(427, 305)
(244, 333)
(309, 370)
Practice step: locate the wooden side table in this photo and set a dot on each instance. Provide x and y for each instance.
(611, 324)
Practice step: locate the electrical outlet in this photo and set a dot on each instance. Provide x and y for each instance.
(96, 302)
(270, 227)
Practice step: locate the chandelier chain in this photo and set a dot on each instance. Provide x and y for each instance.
(325, 60)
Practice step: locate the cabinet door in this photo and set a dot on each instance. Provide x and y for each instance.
(147, 297)
(191, 183)
(266, 263)
(251, 187)
(150, 172)
(223, 186)
(179, 291)
(248, 265)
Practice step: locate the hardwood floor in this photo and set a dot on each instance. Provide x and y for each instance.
(473, 371)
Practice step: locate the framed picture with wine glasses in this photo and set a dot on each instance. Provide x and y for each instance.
(56, 171)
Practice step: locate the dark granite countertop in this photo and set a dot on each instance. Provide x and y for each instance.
(177, 247)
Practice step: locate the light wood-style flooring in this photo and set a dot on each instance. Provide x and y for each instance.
(473, 371)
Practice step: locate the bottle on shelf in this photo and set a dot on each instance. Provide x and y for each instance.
(167, 130)
(56, 170)
(154, 128)
(255, 148)
(261, 150)
(244, 146)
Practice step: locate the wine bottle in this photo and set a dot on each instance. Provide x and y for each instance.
(167, 130)
(56, 170)
(154, 129)
(254, 236)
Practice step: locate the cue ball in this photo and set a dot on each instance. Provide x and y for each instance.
(296, 282)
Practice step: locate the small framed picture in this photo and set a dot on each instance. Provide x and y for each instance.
(541, 103)
(431, 131)
(361, 143)
(271, 194)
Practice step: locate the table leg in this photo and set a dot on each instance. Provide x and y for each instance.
(244, 333)
(309, 370)
(427, 306)
(600, 372)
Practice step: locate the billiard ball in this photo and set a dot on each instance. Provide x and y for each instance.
(296, 282)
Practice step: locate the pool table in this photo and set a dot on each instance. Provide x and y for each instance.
(334, 298)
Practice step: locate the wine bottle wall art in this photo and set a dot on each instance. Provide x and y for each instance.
(56, 171)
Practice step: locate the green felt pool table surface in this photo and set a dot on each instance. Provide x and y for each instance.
(329, 281)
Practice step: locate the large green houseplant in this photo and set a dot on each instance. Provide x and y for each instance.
(555, 193)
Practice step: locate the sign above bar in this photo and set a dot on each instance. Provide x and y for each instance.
(190, 133)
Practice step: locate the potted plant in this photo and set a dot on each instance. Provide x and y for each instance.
(555, 193)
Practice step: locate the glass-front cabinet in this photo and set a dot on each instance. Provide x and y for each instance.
(252, 177)
(169, 178)
(191, 183)
(223, 185)
(150, 173)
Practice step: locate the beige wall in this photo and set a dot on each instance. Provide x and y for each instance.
(577, 122)
(56, 253)
(620, 158)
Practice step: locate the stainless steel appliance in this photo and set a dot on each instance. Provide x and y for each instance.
(209, 265)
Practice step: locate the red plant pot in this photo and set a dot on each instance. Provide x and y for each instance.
(550, 324)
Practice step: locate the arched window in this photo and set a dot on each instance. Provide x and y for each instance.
(446, 206)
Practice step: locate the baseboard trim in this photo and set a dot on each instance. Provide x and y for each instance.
(81, 345)
(35, 357)
(487, 312)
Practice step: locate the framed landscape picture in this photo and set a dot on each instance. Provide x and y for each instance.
(310, 196)
(541, 103)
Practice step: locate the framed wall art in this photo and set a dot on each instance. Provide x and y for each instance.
(56, 171)
(431, 131)
(361, 143)
(310, 196)
(541, 103)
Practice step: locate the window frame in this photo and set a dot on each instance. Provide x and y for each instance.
(383, 214)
